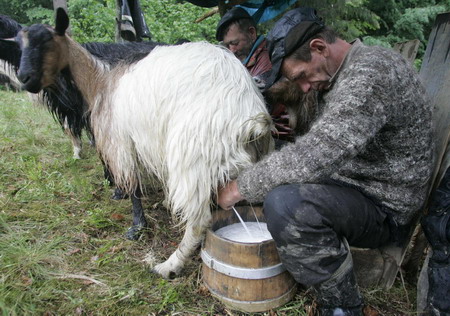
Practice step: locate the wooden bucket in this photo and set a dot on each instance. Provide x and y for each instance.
(244, 276)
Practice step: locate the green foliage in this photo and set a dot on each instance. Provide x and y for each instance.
(416, 23)
(381, 22)
(28, 12)
(384, 41)
(350, 18)
(92, 21)
(405, 20)
(170, 21)
(391, 11)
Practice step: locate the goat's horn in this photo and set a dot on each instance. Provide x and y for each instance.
(11, 39)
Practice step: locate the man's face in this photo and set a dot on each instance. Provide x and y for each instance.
(240, 43)
(312, 75)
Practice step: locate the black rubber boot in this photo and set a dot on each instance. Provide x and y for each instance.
(436, 226)
(340, 296)
(438, 301)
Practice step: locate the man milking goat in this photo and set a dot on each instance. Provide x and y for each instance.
(359, 176)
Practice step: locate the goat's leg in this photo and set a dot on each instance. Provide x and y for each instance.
(118, 193)
(192, 238)
(139, 222)
(91, 138)
(76, 140)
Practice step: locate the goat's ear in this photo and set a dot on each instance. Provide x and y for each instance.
(62, 21)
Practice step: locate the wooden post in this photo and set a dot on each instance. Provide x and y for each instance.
(435, 74)
(408, 49)
(118, 38)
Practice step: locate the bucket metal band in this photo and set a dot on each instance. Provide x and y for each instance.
(255, 306)
(239, 272)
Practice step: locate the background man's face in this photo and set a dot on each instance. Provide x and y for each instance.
(240, 43)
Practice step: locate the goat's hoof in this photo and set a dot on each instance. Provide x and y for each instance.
(170, 276)
(170, 268)
(119, 195)
(134, 232)
(161, 270)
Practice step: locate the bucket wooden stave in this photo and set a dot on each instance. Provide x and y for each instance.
(244, 276)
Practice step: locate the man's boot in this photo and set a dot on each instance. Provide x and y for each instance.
(438, 300)
(436, 227)
(340, 296)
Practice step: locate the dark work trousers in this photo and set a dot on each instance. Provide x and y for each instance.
(308, 223)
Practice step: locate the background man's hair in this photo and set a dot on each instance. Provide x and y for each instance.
(243, 24)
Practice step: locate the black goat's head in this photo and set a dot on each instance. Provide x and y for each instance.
(9, 50)
(42, 54)
(8, 27)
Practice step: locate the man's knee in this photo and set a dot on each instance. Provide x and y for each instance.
(286, 200)
(290, 204)
(277, 199)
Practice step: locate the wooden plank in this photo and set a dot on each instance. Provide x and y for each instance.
(435, 73)
(408, 49)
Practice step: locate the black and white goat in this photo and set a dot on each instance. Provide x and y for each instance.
(189, 117)
(63, 99)
(59, 104)
(9, 51)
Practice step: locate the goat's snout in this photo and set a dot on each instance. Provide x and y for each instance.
(23, 76)
(28, 83)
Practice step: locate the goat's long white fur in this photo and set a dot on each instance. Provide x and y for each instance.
(188, 121)
(185, 115)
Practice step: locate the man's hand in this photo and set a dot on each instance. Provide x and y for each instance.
(229, 195)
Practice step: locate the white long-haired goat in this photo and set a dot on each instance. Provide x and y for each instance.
(189, 116)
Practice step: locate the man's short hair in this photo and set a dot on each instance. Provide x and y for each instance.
(303, 53)
(235, 15)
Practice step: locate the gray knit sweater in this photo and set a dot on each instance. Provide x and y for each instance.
(374, 132)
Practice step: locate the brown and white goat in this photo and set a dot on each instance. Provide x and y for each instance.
(188, 116)
(301, 107)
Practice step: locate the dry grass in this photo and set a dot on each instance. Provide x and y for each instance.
(62, 245)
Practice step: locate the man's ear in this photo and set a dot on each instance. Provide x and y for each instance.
(252, 32)
(319, 45)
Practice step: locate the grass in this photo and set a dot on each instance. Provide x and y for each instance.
(62, 245)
